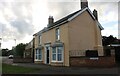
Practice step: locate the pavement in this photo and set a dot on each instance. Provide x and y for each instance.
(47, 69)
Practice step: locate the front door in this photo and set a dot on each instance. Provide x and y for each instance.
(47, 55)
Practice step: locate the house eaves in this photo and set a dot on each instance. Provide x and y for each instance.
(99, 25)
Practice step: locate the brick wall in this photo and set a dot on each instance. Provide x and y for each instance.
(100, 62)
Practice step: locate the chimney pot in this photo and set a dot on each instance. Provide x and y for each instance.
(95, 14)
(50, 21)
(84, 4)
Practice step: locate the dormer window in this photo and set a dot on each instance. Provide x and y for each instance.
(57, 34)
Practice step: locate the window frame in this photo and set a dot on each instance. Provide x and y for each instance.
(57, 34)
(62, 54)
(38, 52)
(40, 38)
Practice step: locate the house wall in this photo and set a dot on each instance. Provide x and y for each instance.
(83, 35)
(98, 37)
(49, 37)
(36, 41)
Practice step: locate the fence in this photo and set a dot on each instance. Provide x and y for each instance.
(77, 53)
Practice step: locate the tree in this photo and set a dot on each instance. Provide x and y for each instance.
(10, 52)
(19, 50)
(109, 40)
(4, 52)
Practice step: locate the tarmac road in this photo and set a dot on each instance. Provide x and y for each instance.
(47, 69)
(6, 60)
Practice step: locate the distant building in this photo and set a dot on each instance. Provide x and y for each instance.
(28, 50)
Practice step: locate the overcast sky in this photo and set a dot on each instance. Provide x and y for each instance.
(20, 19)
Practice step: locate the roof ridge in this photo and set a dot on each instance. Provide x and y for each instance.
(66, 17)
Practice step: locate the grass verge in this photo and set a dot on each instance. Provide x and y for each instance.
(10, 69)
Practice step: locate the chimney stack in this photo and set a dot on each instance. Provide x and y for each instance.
(95, 14)
(50, 21)
(84, 4)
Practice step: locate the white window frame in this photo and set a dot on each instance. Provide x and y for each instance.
(38, 54)
(57, 34)
(45, 58)
(40, 38)
(57, 55)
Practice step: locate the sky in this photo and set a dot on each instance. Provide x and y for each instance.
(20, 19)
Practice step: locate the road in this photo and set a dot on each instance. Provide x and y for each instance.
(46, 69)
(5, 59)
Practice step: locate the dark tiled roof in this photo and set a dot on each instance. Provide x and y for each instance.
(65, 18)
(59, 22)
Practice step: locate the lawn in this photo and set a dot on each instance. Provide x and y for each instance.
(10, 69)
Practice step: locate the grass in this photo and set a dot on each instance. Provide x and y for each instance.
(10, 69)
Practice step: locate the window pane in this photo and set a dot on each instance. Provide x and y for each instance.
(58, 31)
(54, 50)
(39, 39)
(58, 34)
(40, 57)
(54, 57)
(36, 56)
(39, 52)
(59, 49)
(36, 53)
(58, 37)
(59, 57)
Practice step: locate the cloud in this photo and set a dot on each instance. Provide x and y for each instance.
(22, 26)
(20, 19)
(111, 30)
(61, 9)
(16, 19)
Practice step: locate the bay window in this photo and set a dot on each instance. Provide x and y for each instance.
(57, 54)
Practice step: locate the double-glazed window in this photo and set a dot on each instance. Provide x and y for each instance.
(57, 34)
(38, 54)
(57, 54)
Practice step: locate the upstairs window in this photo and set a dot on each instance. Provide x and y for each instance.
(57, 34)
(40, 39)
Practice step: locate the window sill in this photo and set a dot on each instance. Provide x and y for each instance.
(57, 40)
(57, 61)
(38, 60)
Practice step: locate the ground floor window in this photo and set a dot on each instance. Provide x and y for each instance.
(57, 54)
(38, 54)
